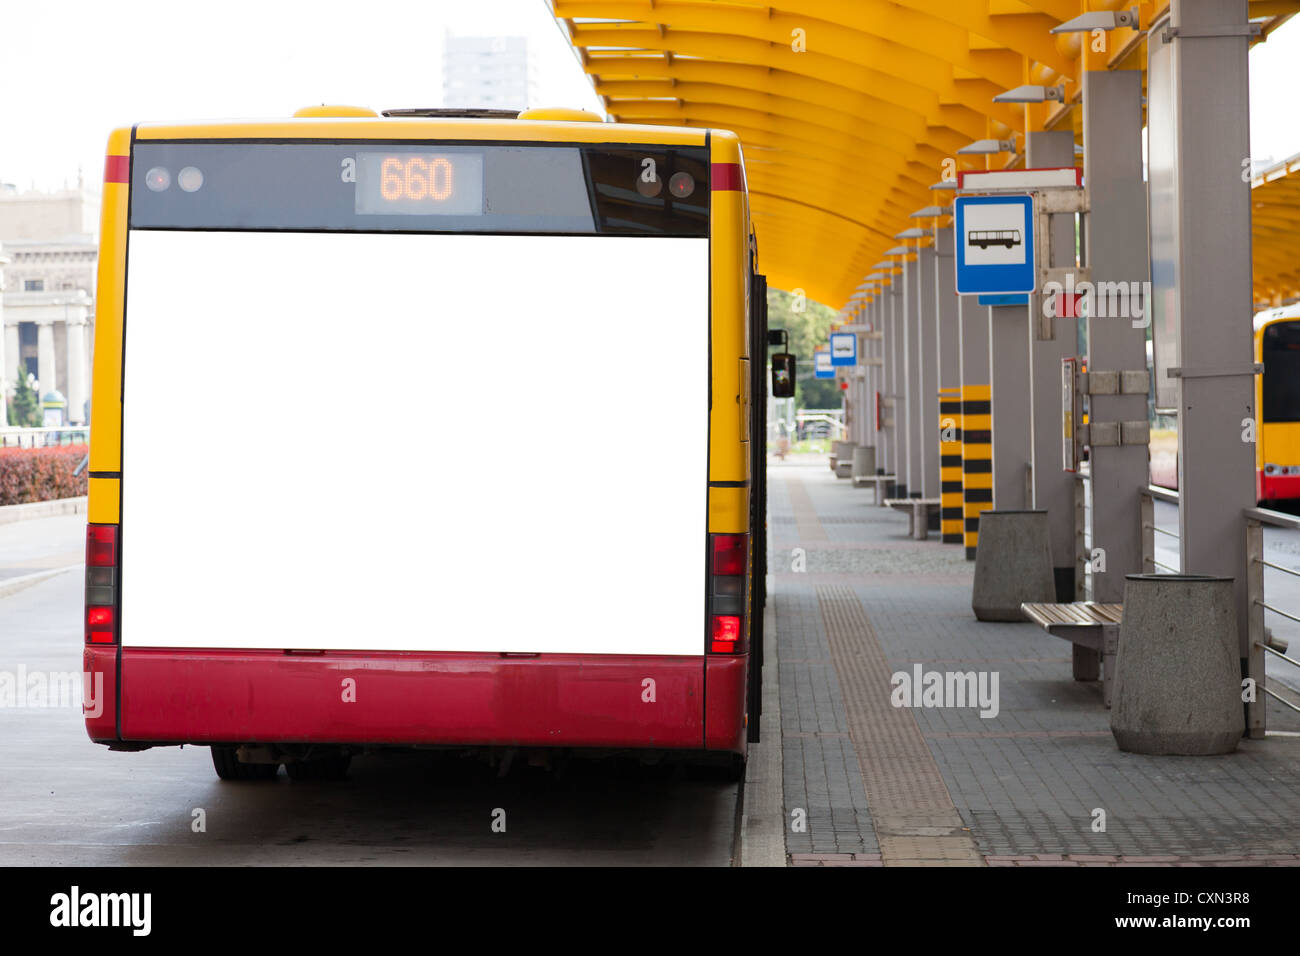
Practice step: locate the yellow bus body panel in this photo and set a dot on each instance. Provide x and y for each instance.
(106, 386)
(730, 411)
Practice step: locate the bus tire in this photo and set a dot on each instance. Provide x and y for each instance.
(322, 768)
(229, 767)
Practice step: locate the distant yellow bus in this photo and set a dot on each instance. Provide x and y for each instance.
(292, 555)
(1277, 411)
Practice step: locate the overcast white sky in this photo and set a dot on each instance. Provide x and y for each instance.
(71, 70)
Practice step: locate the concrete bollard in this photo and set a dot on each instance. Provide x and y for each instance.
(837, 452)
(1013, 564)
(864, 461)
(1178, 671)
(844, 463)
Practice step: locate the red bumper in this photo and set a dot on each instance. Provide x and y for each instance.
(551, 700)
(1276, 487)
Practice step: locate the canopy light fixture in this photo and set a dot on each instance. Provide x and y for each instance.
(1099, 20)
(984, 147)
(1031, 93)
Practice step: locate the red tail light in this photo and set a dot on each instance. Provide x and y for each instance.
(728, 634)
(101, 545)
(728, 593)
(99, 625)
(730, 552)
(101, 583)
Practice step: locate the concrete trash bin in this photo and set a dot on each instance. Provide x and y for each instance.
(844, 461)
(1013, 564)
(864, 461)
(837, 452)
(1178, 670)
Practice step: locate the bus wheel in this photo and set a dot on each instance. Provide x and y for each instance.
(321, 768)
(229, 767)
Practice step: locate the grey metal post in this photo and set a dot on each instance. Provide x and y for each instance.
(1009, 381)
(912, 345)
(886, 449)
(928, 366)
(857, 433)
(872, 318)
(876, 383)
(1116, 241)
(898, 388)
(1053, 486)
(1199, 141)
(947, 329)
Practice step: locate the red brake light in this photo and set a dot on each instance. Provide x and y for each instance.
(730, 552)
(101, 583)
(99, 625)
(726, 634)
(101, 545)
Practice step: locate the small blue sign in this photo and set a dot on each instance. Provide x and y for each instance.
(844, 348)
(1015, 299)
(994, 238)
(822, 367)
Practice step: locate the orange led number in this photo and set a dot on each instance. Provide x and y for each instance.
(415, 179)
(390, 182)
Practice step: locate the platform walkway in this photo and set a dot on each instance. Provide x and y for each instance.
(1033, 784)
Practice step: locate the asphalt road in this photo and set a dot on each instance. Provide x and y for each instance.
(64, 800)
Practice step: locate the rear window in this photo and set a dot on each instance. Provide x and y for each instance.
(1281, 386)
(421, 187)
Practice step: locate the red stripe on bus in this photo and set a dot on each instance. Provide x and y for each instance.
(725, 176)
(117, 169)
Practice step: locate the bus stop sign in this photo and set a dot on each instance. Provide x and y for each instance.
(822, 367)
(995, 244)
(844, 348)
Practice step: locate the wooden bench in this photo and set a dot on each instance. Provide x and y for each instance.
(1092, 628)
(918, 514)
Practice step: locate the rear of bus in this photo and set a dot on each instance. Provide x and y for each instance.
(420, 431)
(1277, 400)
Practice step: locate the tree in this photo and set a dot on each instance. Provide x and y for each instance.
(808, 329)
(25, 408)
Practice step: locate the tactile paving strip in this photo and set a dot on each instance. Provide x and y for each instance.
(914, 816)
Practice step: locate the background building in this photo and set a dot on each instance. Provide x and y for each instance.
(487, 73)
(48, 309)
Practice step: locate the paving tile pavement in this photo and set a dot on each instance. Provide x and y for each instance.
(1034, 783)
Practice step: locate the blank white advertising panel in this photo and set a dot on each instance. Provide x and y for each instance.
(415, 442)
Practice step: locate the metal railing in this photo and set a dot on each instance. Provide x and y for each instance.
(1148, 497)
(1260, 638)
(44, 437)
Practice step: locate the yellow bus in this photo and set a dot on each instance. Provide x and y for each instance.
(299, 548)
(1277, 413)
(1277, 404)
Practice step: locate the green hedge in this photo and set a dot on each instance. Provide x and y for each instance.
(41, 474)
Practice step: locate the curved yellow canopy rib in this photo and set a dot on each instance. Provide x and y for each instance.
(849, 110)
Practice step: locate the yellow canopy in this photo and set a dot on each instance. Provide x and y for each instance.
(849, 110)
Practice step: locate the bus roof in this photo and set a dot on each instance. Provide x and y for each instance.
(430, 127)
(1282, 313)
